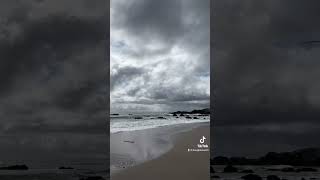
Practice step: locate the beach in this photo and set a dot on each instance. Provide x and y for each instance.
(174, 161)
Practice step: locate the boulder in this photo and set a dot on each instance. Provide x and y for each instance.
(306, 169)
(15, 167)
(246, 171)
(251, 177)
(92, 178)
(211, 170)
(273, 177)
(288, 169)
(215, 177)
(230, 169)
(63, 167)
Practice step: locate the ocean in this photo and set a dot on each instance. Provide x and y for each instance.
(141, 121)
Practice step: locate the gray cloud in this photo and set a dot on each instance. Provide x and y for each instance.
(262, 73)
(53, 79)
(159, 55)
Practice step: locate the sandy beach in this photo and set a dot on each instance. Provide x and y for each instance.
(177, 163)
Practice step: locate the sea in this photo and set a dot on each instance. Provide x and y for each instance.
(123, 122)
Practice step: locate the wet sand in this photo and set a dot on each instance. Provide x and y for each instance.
(177, 163)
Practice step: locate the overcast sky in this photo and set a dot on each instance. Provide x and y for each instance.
(159, 55)
(265, 75)
(53, 74)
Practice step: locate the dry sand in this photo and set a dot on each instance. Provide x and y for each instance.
(177, 164)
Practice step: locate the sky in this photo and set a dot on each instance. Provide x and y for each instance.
(265, 76)
(160, 55)
(53, 75)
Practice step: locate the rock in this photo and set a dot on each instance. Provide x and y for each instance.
(246, 171)
(114, 114)
(138, 118)
(273, 177)
(230, 169)
(195, 118)
(92, 178)
(15, 167)
(215, 177)
(271, 169)
(306, 169)
(174, 114)
(188, 117)
(251, 177)
(220, 160)
(161, 117)
(211, 170)
(201, 111)
(181, 114)
(129, 141)
(288, 169)
(62, 167)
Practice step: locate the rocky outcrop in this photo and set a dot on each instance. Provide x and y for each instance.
(63, 167)
(230, 169)
(15, 167)
(303, 157)
(251, 177)
(273, 177)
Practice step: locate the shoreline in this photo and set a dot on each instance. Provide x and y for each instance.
(176, 162)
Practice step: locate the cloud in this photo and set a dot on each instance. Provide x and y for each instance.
(262, 74)
(53, 78)
(159, 55)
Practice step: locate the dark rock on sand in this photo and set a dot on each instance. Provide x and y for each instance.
(174, 114)
(211, 170)
(115, 114)
(161, 117)
(63, 167)
(230, 169)
(251, 177)
(272, 169)
(188, 117)
(215, 177)
(288, 169)
(301, 157)
(246, 171)
(92, 178)
(220, 160)
(138, 118)
(273, 177)
(129, 141)
(15, 167)
(306, 169)
(195, 118)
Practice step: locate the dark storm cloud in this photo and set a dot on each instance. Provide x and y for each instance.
(53, 76)
(156, 19)
(169, 42)
(261, 73)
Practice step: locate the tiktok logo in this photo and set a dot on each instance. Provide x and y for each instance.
(202, 139)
